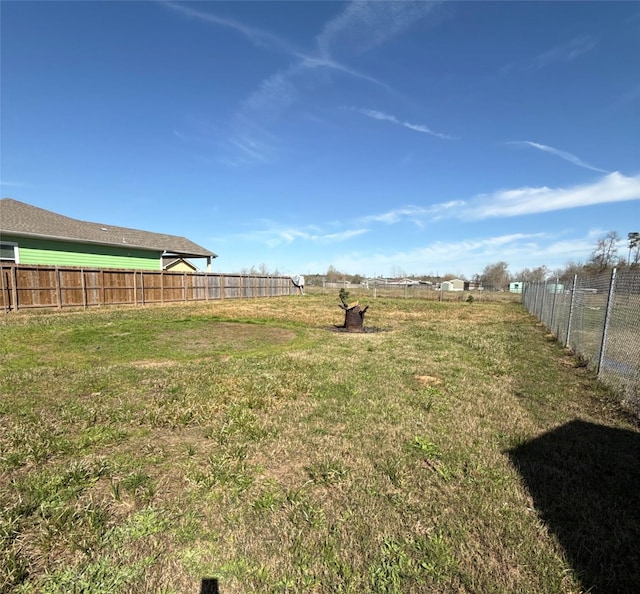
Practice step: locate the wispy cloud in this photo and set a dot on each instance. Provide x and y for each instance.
(378, 115)
(558, 153)
(418, 215)
(274, 235)
(411, 213)
(359, 27)
(362, 26)
(13, 184)
(631, 96)
(267, 40)
(311, 62)
(252, 148)
(256, 36)
(613, 187)
(565, 53)
(274, 94)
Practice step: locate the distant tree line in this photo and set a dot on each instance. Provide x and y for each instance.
(496, 276)
(333, 275)
(605, 256)
(261, 270)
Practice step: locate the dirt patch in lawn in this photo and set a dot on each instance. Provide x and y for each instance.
(427, 380)
(218, 337)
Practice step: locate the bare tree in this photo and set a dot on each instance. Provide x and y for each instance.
(605, 254)
(397, 272)
(530, 276)
(449, 276)
(333, 274)
(495, 276)
(571, 268)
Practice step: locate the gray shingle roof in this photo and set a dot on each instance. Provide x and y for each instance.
(18, 218)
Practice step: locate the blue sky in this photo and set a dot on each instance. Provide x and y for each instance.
(378, 138)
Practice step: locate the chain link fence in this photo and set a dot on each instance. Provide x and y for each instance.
(598, 317)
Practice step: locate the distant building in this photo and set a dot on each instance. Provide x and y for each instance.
(473, 286)
(453, 285)
(516, 287)
(173, 264)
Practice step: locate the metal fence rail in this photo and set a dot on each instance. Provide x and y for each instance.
(25, 286)
(598, 317)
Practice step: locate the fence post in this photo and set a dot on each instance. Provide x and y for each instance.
(14, 292)
(532, 291)
(58, 289)
(5, 292)
(84, 289)
(607, 318)
(553, 305)
(571, 306)
(135, 288)
(544, 294)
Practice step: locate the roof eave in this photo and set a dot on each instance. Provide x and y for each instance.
(204, 254)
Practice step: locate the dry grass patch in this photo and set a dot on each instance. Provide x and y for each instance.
(151, 364)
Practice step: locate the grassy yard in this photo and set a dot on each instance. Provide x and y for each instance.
(453, 448)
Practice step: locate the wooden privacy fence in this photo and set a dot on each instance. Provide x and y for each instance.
(24, 286)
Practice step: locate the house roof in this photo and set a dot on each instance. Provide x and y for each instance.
(169, 261)
(23, 220)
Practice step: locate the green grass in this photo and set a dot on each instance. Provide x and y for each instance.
(146, 449)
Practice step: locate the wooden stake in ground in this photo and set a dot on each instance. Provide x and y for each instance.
(353, 316)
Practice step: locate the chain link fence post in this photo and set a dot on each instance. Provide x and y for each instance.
(607, 317)
(573, 300)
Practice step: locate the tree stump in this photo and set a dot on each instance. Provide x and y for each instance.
(353, 316)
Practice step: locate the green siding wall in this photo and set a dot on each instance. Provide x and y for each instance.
(61, 253)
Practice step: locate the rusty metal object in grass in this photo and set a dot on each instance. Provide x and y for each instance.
(353, 316)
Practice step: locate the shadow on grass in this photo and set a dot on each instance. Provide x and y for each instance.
(585, 482)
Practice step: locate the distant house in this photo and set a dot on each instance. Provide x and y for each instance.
(516, 287)
(32, 235)
(174, 264)
(455, 284)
